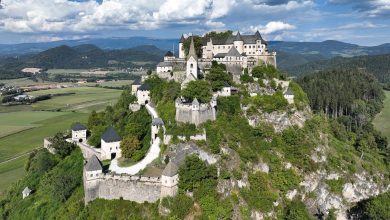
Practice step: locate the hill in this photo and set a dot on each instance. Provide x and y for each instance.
(378, 65)
(81, 56)
(265, 156)
(329, 48)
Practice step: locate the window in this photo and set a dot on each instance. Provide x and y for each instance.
(192, 65)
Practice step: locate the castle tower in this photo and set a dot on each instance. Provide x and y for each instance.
(239, 43)
(79, 133)
(93, 171)
(181, 48)
(169, 180)
(192, 62)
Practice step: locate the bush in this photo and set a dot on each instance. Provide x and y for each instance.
(296, 210)
(265, 72)
(179, 205)
(269, 104)
(260, 195)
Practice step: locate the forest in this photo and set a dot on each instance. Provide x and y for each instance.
(378, 65)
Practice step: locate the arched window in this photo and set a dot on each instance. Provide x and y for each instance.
(192, 65)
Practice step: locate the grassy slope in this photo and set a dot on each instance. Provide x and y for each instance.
(382, 120)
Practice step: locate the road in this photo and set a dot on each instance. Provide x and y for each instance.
(152, 154)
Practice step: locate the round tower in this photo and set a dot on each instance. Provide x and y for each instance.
(181, 48)
(239, 43)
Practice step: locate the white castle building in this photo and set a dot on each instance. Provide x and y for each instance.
(243, 50)
(110, 145)
(79, 133)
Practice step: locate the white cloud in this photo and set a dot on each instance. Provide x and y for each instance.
(271, 27)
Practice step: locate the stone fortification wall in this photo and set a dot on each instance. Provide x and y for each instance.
(186, 114)
(88, 152)
(134, 188)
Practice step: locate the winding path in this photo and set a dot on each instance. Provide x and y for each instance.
(153, 153)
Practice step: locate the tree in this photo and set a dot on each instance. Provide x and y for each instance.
(129, 146)
(194, 172)
(61, 147)
(217, 77)
(199, 89)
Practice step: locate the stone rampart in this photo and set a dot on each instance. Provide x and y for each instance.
(187, 114)
(121, 186)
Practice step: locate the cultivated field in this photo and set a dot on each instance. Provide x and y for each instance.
(382, 120)
(85, 99)
(23, 127)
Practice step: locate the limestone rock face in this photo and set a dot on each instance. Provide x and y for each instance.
(280, 120)
(361, 187)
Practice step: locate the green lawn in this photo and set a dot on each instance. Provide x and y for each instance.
(382, 120)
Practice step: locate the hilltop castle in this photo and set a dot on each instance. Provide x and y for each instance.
(237, 52)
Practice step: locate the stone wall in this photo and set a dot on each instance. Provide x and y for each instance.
(134, 188)
(185, 114)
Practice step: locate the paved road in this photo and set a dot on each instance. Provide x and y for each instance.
(152, 154)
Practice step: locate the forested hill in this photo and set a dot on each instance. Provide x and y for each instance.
(378, 65)
(81, 56)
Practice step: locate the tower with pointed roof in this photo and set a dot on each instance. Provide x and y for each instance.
(192, 62)
(110, 144)
(238, 43)
(182, 54)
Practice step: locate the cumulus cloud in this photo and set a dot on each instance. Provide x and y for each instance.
(372, 8)
(89, 15)
(271, 27)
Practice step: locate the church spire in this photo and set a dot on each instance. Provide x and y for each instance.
(192, 52)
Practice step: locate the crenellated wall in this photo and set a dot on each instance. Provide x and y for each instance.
(187, 114)
(134, 188)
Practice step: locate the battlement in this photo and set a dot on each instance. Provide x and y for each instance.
(126, 177)
(135, 188)
(195, 112)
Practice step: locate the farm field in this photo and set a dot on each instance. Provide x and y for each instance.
(84, 99)
(382, 120)
(118, 83)
(22, 142)
(11, 172)
(23, 127)
(19, 121)
(23, 82)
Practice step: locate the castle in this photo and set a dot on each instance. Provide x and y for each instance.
(236, 52)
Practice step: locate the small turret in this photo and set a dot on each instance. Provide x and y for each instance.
(195, 105)
(181, 48)
(238, 37)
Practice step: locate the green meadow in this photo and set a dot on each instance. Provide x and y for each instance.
(23, 127)
(382, 120)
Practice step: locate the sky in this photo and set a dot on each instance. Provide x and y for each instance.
(363, 22)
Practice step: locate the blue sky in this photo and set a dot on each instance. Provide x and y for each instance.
(364, 22)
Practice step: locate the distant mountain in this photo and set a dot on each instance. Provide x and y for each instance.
(105, 44)
(81, 56)
(378, 65)
(328, 49)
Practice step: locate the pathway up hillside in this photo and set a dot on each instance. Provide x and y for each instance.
(152, 154)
